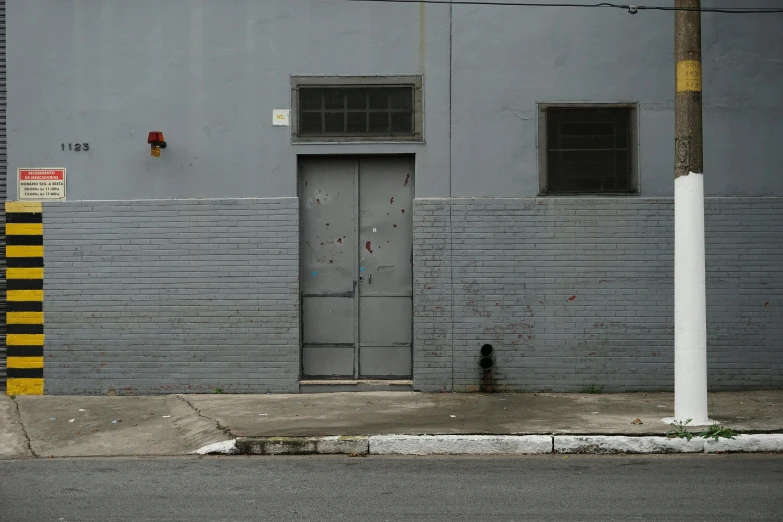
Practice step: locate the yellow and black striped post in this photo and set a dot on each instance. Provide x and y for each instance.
(24, 280)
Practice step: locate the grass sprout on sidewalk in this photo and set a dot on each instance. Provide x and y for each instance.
(679, 430)
(593, 388)
(716, 431)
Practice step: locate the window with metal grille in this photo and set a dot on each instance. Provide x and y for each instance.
(353, 109)
(588, 149)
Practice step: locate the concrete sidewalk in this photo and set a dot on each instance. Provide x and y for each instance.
(412, 413)
(67, 426)
(79, 426)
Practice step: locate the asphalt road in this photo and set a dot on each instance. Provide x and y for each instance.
(701, 487)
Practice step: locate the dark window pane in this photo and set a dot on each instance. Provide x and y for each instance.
(357, 122)
(584, 171)
(379, 99)
(553, 124)
(379, 122)
(310, 123)
(581, 115)
(401, 122)
(623, 166)
(553, 168)
(335, 121)
(623, 129)
(334, 99)
(589, 157)
(588, 128)
(310, 99)
(401, 99)
(586, 142)
(357, 98)
(588, 150)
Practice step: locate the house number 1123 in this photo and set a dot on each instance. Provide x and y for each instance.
(78, 147)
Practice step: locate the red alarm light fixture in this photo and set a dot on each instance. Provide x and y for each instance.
(156, 141)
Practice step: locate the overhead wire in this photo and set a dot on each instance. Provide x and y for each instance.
(632, 8)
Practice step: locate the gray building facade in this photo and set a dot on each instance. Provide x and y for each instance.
(473, 208)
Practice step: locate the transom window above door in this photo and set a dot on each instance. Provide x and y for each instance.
(377, 108)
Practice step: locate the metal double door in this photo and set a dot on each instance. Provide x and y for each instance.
(356, 276)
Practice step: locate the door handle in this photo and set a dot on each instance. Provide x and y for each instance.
(369, 279)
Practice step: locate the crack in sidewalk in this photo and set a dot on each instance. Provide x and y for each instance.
(220, 427)
(24, 430)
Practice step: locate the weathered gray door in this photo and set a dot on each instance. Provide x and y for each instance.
(329, 238)
(385, 266)
(356, 251)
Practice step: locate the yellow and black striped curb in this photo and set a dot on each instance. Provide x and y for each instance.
(24, 297)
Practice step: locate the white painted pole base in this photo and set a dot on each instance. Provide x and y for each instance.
(690, 301)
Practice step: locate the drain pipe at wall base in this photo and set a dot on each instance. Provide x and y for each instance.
(486, 363)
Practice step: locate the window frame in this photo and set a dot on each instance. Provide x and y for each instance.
(543, 150)
(415, 81)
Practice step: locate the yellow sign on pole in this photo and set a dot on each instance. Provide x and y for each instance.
(689, 76)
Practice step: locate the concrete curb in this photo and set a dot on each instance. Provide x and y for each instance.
(491, 445)
(225, 447)
(302, 445)
(606, 444)
(746, 444)
(460, 444)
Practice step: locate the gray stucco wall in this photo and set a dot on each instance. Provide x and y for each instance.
(172, 296)
(208, 74)
(607, 55)
(577, 291)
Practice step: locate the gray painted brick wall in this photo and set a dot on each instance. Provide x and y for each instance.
(574, 291)
(167, 296)
(191, 295)
(433, 347)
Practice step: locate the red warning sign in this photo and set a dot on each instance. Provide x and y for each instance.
(41, 184)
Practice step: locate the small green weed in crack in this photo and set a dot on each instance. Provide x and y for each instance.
(678, 430)
(717, 431)
(593, 388)
(224, 429)
(218, 390)
(12, 396)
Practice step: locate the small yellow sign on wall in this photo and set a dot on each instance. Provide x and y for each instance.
(155, 151)
(280, 117)
(689, 76)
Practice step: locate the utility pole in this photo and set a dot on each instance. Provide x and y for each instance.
(690, 299)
